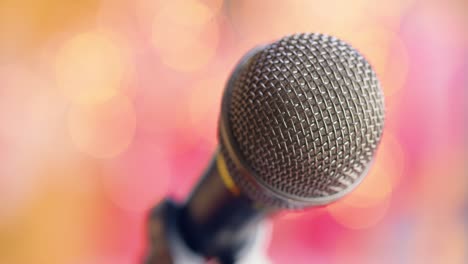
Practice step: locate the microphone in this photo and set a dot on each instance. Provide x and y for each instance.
(300, 122)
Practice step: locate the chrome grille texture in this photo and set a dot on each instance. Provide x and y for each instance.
(306, 114)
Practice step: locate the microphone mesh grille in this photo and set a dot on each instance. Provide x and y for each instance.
(306, 114)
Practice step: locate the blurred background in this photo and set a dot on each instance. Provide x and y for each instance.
(106, 106)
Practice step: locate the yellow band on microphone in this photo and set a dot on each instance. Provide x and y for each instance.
(225, 176)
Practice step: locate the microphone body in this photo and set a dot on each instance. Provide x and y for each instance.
(301, 120)
(217, 219)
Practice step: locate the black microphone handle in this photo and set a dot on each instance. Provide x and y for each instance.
(217, 220)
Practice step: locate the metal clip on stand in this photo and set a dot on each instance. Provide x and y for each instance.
(166, 242)
(166, 245)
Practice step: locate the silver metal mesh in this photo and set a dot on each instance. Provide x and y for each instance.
(306, 114)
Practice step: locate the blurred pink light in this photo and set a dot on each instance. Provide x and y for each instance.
(104, 130)
(278, 18)
(204, 106)
(29, 112)
(139, 178)
(441, 242)
(185, 34)
(91, 66)
(383, 177)
(356, 217)
(366, 247)
(443, 186)
(386, 52)
(367, 205)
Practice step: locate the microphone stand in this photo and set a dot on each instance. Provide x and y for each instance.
(167, 245)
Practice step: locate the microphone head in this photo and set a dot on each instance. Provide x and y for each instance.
(301, 121)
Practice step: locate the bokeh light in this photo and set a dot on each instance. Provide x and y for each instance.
(29, 113)
(386, 52)
(358, 217)
(90, 67)
(204, 102)
(28, 25)
(50, 222)
(185, 33)
(439, 243)
(371, 199)
(139, 178)
(103, 130)
(280, 18)
(382, 178)
(443, 173)
(367, 248)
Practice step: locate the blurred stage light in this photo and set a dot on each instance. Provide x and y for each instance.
(366, 205)
(438, 242)
(28, 25)
(261, 21)
(358, 217)
(29, 113)
(50, 230)
(204, 103)
(157, 108)
(443, 186)
(147, 10)
(368, 247)
(386, 52)
(383, 177)
(91, 66)
(138, 178)
(103, 130)
(185, 34)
